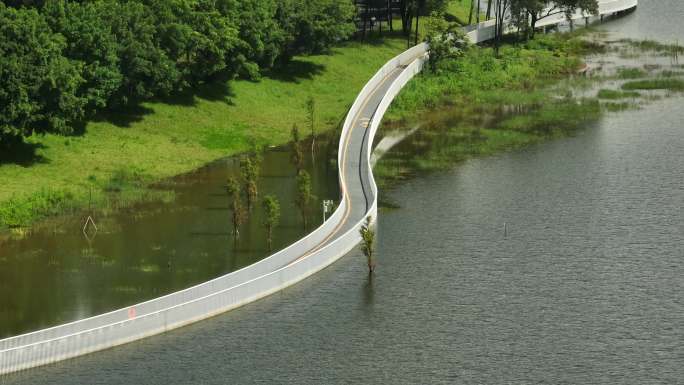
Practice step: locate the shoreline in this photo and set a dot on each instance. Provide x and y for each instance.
(120, 163)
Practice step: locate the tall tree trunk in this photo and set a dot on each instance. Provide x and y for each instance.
(365, 18)
(534, 17)
(489, 10)
(499, 12)
(417, 19)
(405, 20)
(470, 15)
(477, 16)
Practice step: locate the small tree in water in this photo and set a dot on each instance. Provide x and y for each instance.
(297, 154)
(304, 196)
(368, 237)
(238, 211)
(311, 117)
(249, 170)
(272, 212)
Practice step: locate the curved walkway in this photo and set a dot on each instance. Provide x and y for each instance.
(319, 249)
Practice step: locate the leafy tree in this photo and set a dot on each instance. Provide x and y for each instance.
(368, 246)
(446, 40)
(304, 197)
(147, 69)
(409, 9)
(199, 39)
(262, 36)
(61, 61)
(249, 169)
(297, 154)
(501, 10)
(311, 117)
(313, 26)
(526, 13)
(238, 212)
(272, 212)
(39, 86)
(90, 42)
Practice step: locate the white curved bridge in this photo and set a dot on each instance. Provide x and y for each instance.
(309, 255)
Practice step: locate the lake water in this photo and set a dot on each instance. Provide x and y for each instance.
(585, 286)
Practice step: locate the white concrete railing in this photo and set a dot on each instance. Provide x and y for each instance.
(250, 283)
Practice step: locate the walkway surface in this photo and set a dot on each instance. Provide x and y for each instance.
(354, 176)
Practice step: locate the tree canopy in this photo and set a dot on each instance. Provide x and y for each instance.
(62, 61)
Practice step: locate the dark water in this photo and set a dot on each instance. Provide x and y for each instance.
(586, 287)
(56, 274)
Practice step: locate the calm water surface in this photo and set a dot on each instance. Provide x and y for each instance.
(587, 286)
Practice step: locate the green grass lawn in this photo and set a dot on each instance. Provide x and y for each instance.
(460, 9)
(162, 139)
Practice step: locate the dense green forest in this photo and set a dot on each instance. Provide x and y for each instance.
(62, 62)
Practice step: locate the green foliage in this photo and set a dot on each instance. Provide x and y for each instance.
(174, 138)
(479, 74)
(615, 94)
(297, 153)
(368, 245)
(655, 84)
(630, 73)
(18, 212)
(272, 215)
(64, 61)
(39, 87)
(90, 42)
(304, 197)
(313, 26)
(311, 119)
(446, 40)
(239, 215)
(249, 169)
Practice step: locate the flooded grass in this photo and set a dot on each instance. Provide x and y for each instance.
(615, 94)
(619, 106)
(631, 73)
(655, 84)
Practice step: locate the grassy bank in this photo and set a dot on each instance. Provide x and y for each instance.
(113, 161)
(481, 104)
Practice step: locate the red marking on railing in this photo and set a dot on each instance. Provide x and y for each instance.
(131, 313)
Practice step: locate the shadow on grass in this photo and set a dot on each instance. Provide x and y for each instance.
(295, 71)
(376, 39)
(123, 116)
(215, 90)
(21, 154)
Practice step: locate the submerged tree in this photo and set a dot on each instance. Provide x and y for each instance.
(297, 154)
(272, 216)
(311, 119)
(238, 212)
(249, 170)
(368, 237)
(304, 196)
